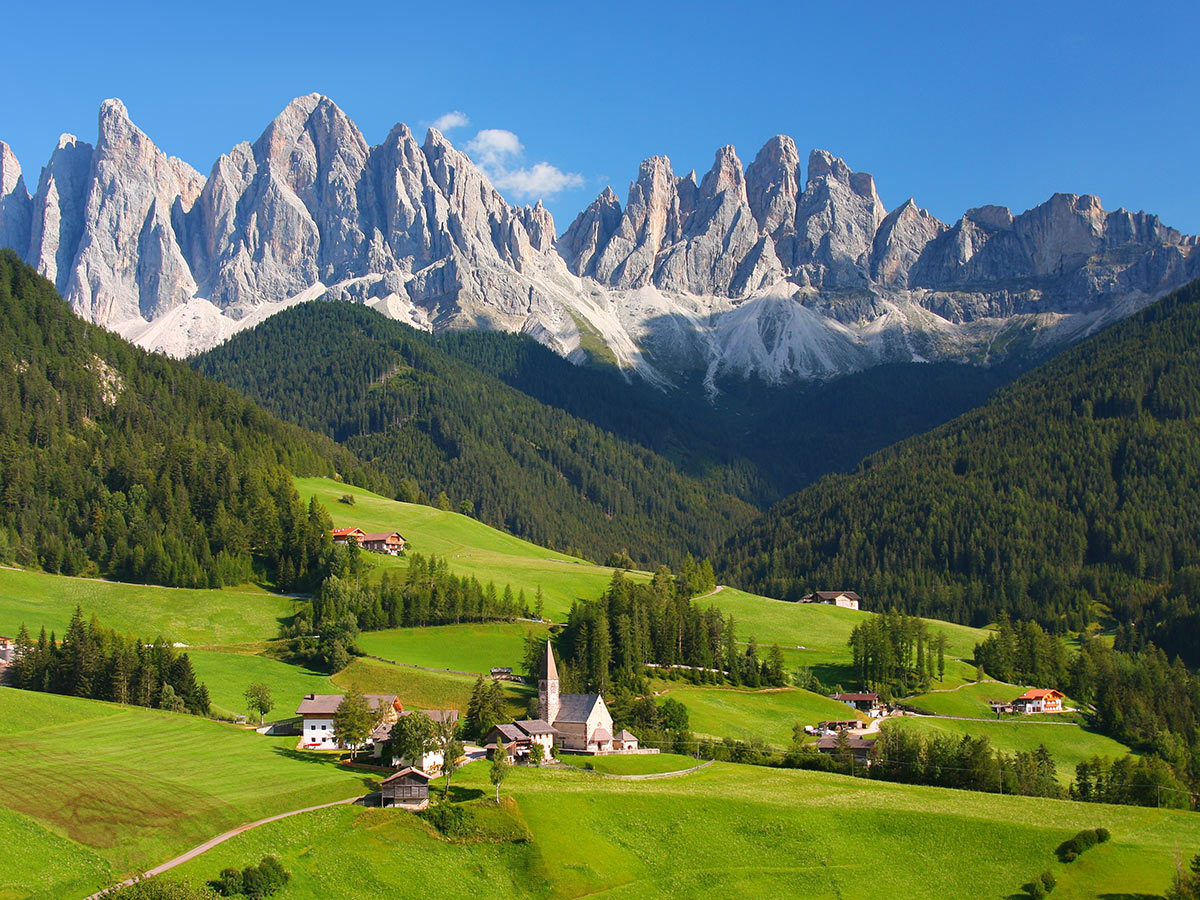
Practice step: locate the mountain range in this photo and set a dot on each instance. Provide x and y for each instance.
(771, 270)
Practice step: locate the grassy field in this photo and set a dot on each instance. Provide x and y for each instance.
(728, 830)
(465, 648)
(972, 700)
(137, 786)
(228, 674)
(419, 689)
(746, 714)
(471, 547)
(640, 764)
(229, 616)
(37, 863)
(1068, 744)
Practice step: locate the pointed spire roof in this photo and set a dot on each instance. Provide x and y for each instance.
(551, 668)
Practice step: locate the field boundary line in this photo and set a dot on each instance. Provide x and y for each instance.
(212, 842)
(650, 775)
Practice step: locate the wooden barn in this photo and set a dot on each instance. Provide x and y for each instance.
(408, 788)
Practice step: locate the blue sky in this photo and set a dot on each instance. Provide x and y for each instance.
(957, 105)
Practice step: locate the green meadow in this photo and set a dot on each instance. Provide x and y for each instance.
(724, 831)
(228, 616)
(470, 547)
(136, 786)
(640, 764)
(227, 675)
(464, 648)
(972, 700)
(746, 714)
(1068, 744)
(420, 689)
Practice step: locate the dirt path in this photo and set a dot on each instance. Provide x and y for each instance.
(219, 839)
(713, 592)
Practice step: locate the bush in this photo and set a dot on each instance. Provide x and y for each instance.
(1049, 882)
(1068, 851)
(348, 499)
(1035, 889)
(449, 820)
(229, 883)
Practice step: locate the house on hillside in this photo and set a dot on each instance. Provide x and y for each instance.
(390, 542)
(345, 535)
(317, 711)
(431, 762)
(1039, 700)
(408, 788)
(582, 721)
(860, 748)
(519, 737)
(8, 650)
(866, 703)
(845, 599)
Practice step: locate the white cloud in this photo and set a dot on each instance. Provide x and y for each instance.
(539, 180)
(453, 119)
(492, 147)
(498, 153)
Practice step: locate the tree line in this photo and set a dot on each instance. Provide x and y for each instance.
(1074, 490)
(894, 653)
(326, 630)
(635, 625)
(119, 462)
(100, 664)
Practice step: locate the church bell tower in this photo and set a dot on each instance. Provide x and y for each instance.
(548, 688)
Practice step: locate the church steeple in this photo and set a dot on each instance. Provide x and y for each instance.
(548, 705)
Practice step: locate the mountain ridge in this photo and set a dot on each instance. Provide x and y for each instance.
(765, 270)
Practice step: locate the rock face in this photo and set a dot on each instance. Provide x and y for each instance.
(771, 270)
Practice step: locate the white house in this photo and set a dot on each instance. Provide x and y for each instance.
(431, 762)
(317, 712)
(845, 599)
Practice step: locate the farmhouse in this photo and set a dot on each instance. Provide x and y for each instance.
(317, 712)
(519, 738)
(431, 761)
(846, 599)
(1039, 700)
(408, 788)
(343, 535)
(868, 703)
(860, 748)
(389, 542)
(7, 650)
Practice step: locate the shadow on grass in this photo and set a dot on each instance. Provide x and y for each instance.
(462, 794)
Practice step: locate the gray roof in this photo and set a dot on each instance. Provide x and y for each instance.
(536, 726)
(624, 735)
(327, 704)
(830, 742)
(601, 734)
(576, 708)
(509, 732)
(411, 771)
(438, 715)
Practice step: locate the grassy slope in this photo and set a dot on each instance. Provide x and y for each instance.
(746, 714)
(726, 831)
(137, 786)
(633, 765)
(228, 674)
(1068, 744)
(229, 616)
(471, 547)
(465, 648)
(424, 690)
(972, 700)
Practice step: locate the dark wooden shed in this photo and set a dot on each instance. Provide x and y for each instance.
(408, 788)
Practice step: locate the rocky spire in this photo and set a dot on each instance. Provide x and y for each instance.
(15, 203)
(836, 221)
(900, 241)
(56, 216)
(589, 234)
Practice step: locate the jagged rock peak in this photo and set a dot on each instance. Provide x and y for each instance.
(992, 216)
(10, 170)
(772, 185)
(585, 239)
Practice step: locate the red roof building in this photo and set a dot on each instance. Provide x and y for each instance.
(1040, 700)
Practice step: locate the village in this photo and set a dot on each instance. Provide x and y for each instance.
(567, 723)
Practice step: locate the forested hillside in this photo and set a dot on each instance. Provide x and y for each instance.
(1075, 488)
(124, 463)
(437, 425)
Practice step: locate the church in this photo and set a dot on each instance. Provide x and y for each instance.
(582, 722)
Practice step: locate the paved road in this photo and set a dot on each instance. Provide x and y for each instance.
(219, 839)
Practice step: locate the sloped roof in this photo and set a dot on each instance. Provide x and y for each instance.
(381, 535)
(830, 742)
(346, 532)
(575, 708)
(601, 734)
(551, 668)
(411, 770)
(327, 704)
(536, 726)
(833, 595)
(624, 735)
(857, 698)
(509, 732)
(1039, 694)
